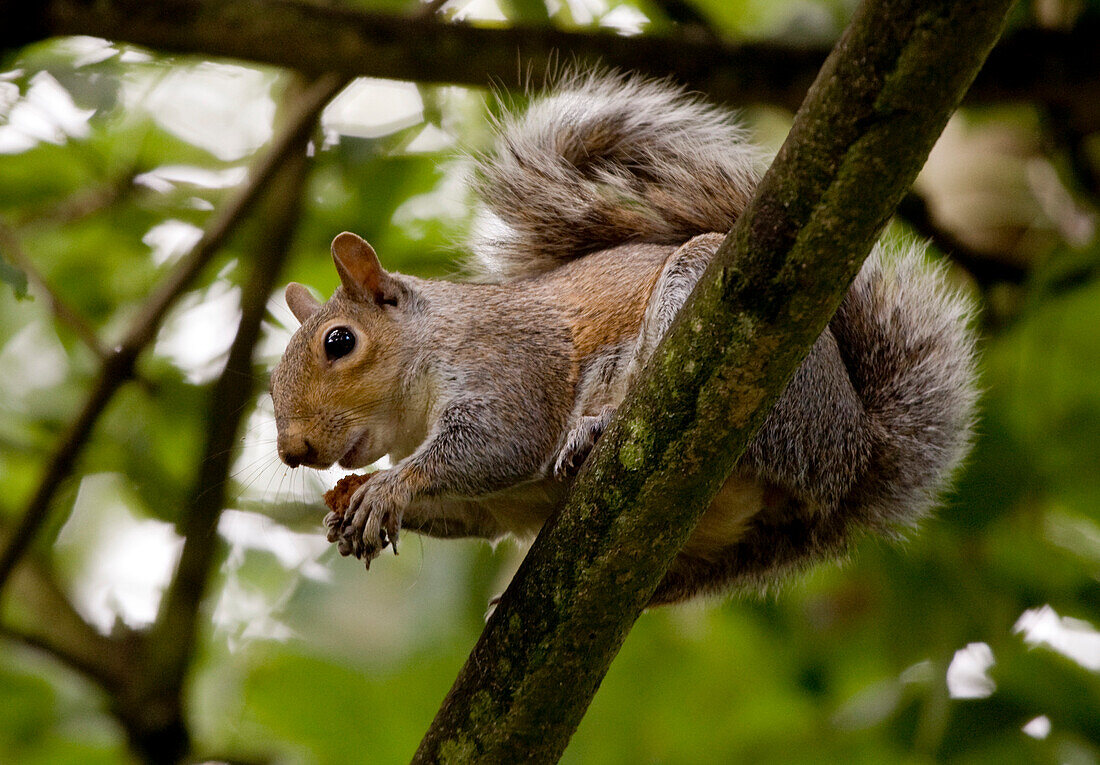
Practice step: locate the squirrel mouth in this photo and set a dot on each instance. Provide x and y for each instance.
(357, 453)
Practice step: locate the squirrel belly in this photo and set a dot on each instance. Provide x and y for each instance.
(601, 206)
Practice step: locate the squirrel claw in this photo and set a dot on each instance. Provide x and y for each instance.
(579, 443)
(390, 532)
(344, 547)
(332, 523)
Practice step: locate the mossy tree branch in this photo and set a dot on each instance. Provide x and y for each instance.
(869, 121)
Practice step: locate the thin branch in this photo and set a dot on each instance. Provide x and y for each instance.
(299, 124)
(81, 204)
(1050, 66)
(169, 645)
(46, 643)
(856, 145)
(9, 243)
(431, 8)
(66, 635)
(113, 373)
(119, 366)
(229, 404)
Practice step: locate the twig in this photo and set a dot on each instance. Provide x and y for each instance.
(82, 204)
(119, 366)
(66, 315)
(430, 8)
(859, 140)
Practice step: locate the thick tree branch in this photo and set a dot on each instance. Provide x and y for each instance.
(878, 105)
(119, 366)
(1054, 67)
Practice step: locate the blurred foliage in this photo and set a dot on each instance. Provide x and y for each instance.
(307, 659)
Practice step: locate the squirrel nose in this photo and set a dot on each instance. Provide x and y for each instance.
(297, 453)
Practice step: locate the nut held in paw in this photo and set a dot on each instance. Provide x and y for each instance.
(339, 496)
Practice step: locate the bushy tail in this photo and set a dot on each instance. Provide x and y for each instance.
(907, 343)
(603, 160)
(879, 465)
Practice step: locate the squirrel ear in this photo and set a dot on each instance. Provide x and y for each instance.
(360, 272)
(302, 304)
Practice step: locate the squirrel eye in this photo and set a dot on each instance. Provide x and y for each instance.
(339, 342)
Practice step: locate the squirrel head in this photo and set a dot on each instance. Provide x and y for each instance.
(338, 388)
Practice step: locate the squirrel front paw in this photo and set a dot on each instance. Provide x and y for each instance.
(579, 443)
(372, 521)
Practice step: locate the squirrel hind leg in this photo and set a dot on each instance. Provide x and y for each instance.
(780, 538)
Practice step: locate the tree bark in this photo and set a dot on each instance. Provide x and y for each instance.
(872, 115)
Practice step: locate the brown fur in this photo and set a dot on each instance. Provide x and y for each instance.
(604, 295)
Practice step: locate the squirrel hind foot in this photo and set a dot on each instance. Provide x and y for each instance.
(579, 443)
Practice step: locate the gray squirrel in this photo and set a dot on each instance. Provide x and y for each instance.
(601, 205)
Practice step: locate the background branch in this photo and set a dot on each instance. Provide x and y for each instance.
(82, 204)
(60, 630)
(118, 368)
(1054, 67)
(144, 671)
(874, 112)
(168, 647)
